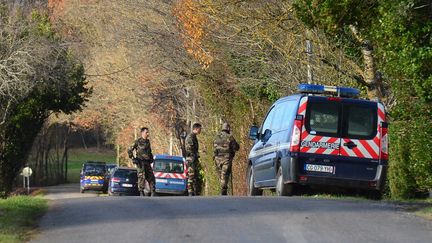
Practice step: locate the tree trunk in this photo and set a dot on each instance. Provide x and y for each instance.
(373, 81)
(65, 152)
(83, 140)
(98, 137)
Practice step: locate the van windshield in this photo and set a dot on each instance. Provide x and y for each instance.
(168, 166)
(94, 169)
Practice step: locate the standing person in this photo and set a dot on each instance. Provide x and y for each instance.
(143, 161)
(192, 159)
(225, 147)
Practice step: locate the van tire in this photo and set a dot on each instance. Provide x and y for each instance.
(374, 195)
(283, 189)
(252, 190)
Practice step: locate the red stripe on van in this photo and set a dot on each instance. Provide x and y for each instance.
(370, 150)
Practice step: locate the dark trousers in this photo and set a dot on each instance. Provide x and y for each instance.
(145, 172)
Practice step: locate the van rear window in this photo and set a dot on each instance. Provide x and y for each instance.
(168, 166)
(361, 121)
(323, 118)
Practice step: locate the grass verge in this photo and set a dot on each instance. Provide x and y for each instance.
(18, 217)
(78, 156)
(420, 207)
(425, 212)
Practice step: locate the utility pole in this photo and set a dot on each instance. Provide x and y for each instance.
(309, 56)
(171, 144)
(309, 66)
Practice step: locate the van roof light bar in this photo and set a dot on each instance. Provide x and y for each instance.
(324, 89)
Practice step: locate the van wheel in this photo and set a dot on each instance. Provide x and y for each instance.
(283, 189)
(252, 190)
(374, 195)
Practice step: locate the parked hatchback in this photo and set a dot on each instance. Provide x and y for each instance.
(123, 182)
(323, 136)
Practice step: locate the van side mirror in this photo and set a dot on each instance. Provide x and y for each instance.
(253, 133)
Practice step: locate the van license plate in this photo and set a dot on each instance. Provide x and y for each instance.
(126, 185)
(319, 168)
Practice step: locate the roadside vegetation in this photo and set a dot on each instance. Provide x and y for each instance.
(168, 64)
(39, 77)
(78, 156)
(18, 217)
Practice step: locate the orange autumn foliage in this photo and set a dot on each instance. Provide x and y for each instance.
(192, 23)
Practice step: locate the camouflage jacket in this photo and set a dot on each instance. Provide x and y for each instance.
(191, 145)
(225, 145)
(143, 150)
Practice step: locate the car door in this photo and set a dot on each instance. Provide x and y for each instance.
(261, 149)
(271, 147)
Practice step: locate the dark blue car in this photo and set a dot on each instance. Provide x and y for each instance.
(171, 174)
(123, 182)
(323, 136)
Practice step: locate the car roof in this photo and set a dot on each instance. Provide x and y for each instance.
(291, 97)
(298, 96)
(168, 157)
(125, 168)
(95, 162)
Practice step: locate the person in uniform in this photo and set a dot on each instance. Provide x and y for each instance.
(143, 161)
(192, 159)
(225, 147)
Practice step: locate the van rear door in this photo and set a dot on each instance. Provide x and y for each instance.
(340, 138)
(320, 131)
(361, 136)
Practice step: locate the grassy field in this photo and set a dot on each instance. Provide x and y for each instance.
(18, 217)
(78, 156)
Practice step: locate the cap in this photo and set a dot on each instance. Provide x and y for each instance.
(226, 126)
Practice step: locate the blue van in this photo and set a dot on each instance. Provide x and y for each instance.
(93, 176)
(324, 135)
(171, 174)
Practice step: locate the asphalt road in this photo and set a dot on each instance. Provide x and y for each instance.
(229, 219)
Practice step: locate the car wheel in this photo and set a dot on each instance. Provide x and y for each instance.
(252, 190)
(283, 189)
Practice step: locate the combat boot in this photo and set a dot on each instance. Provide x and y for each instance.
(224, 192)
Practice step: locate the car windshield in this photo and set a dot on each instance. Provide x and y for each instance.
(94, 169)
(168, 166)
(129, 174)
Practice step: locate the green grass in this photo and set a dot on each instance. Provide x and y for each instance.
(425, 212)
(18, 217)
(336, 196)
(78, 156)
